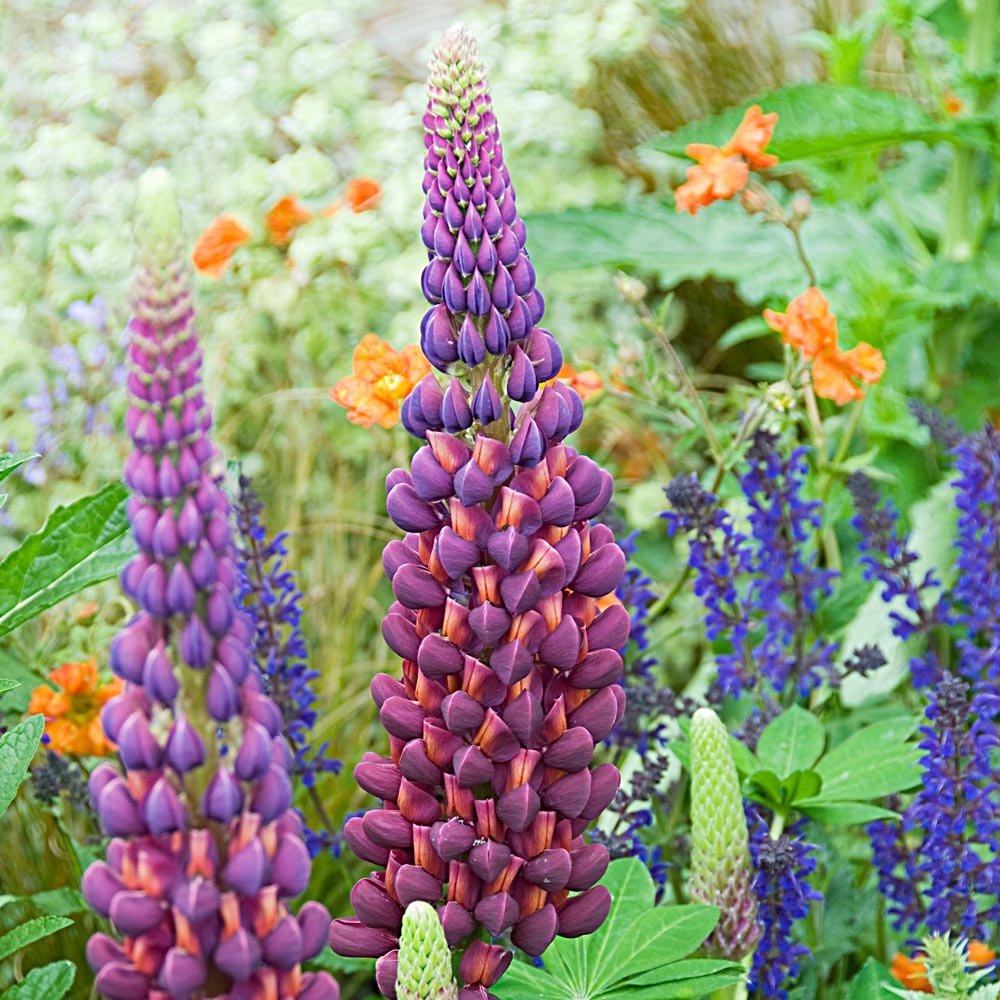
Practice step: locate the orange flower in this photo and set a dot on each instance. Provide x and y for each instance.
(980, 954)
(751, 138)
(808, 324)
(217, 244)
(361, 193)
(812, 328)
(912, 974)
(73, 715)
(283, 218)
(587, 384)
(382, 379)
(717, 176)
(952, 103)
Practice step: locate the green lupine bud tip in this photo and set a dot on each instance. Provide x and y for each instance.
(721, 870)
(424, 971)
(158, 217)
(457, 74)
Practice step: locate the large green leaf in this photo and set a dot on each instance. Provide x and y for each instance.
(791, 742)
(843, 813)
(79, 545)
(875, 761)
(868, 983)
(50, 982)
(32, 930)
(823, 119)
(683, 989)
(17, 747)
(723, 242)
(692, 968)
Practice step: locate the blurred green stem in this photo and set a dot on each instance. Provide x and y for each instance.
(958, 241)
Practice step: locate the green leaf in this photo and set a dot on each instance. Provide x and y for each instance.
(32, 930)
(17, 747)
(8, 463)
(15, 700)
(768, 787)
(821, 120)
(683, 989)
(743, 757)
(8, 685)
(660, 936)
(875, 761)
(692, 968)
(55, 902)
(843, 813)
(524, 982)
(867, 984)
(49, 982)
(791, 742)
(801, 785)
(748, 329)
(81, 544)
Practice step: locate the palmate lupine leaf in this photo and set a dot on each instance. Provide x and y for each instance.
(640, 946)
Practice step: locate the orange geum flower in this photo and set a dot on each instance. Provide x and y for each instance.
(751, 138)
(716, 176)
(73, 714)
(586, 383)
(911, 973)
(980, 954)
(382, 379)
(217, 244)
(361, 194)
(809, 326)
(808, 323)
(283, 218)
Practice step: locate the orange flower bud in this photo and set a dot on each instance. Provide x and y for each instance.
(217, 244)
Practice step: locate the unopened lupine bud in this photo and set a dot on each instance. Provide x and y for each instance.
(510, 667)
(423, 964)
(208, 854)
(721, 870)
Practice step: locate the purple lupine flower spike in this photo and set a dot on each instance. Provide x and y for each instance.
(207, 853)
(510, 668)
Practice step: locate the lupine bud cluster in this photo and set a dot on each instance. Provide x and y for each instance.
(510, 669)
(206, 851)
(424, 969)
(721, 872)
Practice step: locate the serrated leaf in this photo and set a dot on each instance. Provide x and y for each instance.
(8, 463)
(17, 747)
(49, 982)
(55, 902)
(30, 931)
(843, 813)
(79, 545)
(875, 761)
(791, 742)
(824, 120)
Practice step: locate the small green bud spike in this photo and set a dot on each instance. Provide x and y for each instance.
(948, 969)
(424, 971)
(721, 871)
(163, 288)
(457, 78)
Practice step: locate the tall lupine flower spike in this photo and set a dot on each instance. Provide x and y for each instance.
(206, 852)
(424, 971)
(510, 669)
(721, 872)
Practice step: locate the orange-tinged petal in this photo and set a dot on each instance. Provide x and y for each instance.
(332, 209)
(45, 701)
(374, 358)
(415, 364)
(866, 362)
(952, 103)
(752, 136)
(76, 678)
(980, 954)
(218, 243)
(108, 691)
(912, 974)
(808, 323)
(832, 378)
(716, 177)
(383, 377)
(586, 383)
(362, 193)
(283, 218)
(703, 152)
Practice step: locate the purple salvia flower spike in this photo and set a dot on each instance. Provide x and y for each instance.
(503, 695)
(191, 901)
